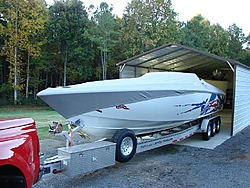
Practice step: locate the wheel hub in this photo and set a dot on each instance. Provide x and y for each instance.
(127, 146)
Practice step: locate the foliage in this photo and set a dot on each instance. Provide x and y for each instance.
(6, 94)
(199, 34)
(68, 22)
(244, 56)
(235, 41)
(16, 40)
(22, 33)
(38, 17)
(248, 40)
(196, 33)
(63, 44)
(218, 41)
(147, 24)
(102, 33)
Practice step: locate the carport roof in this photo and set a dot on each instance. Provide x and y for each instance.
(179, 58)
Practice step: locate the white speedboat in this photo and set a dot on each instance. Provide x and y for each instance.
(150, 103)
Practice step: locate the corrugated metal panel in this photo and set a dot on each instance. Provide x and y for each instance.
(132, 72)
(127, 72)
(242, 99)
(178, 58)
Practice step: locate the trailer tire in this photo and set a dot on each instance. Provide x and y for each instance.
(214, 127)
(126, 144)
(207, 135)
(218, 125)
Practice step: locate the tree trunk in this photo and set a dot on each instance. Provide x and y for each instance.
(59, 79)
(15, 76)
(15, 64)
(65, 67)
(2, 74)
(51, 80)
(104, 63)
(27, 78)
(102, 59)
(47, 77)
(36, 88)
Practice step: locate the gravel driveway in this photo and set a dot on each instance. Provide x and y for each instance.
(228, 165)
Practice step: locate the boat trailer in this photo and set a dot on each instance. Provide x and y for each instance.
(73, 160)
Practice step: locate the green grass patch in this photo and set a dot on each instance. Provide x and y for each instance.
(171, 149)
(42, 116)
(43, 133)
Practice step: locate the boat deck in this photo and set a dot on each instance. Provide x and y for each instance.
(218, 139)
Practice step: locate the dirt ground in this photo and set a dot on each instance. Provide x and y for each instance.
(228, 165)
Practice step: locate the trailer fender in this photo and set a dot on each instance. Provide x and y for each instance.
(206, 121)
(204, 125)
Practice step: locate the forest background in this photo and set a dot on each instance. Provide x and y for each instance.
(67, 43)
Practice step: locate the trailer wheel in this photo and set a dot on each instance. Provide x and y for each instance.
(214, 127)
(207, 135)
(126, 144)
(218, 124)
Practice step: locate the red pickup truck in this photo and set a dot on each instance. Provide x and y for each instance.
(19, 153)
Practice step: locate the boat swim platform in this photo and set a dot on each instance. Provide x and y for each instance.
(218, 139)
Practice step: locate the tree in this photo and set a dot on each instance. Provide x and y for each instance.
(68, 21)
(218, 41)
(245, 56)
(245, 53)
(102, 33)
(248, 40)
(17, 38)
(147, 24)
(236, 40)
(35, 26)
(196, 33)
(23, 37)
(3, 63)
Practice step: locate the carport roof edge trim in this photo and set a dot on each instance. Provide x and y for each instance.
(127, 62)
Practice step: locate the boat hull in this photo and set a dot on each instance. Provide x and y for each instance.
(150, 103)
(150, 116)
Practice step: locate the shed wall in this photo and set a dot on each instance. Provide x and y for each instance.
(241, 118)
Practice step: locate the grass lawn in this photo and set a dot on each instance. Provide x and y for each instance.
(42, 116)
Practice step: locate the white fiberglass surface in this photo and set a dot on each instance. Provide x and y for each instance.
(149, 81)
(149, 116)
(184, 107)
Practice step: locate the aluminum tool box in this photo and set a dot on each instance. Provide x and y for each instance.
(87, 157)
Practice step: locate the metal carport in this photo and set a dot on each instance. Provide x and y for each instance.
(179, 58)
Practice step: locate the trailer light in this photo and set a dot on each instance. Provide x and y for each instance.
(56, 171)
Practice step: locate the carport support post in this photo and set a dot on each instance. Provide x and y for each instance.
(122, 68)
(233, 101)
(230, 66)
(135, 72)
